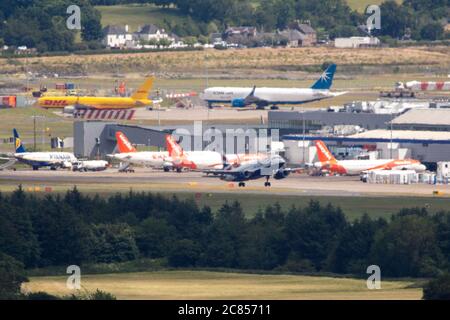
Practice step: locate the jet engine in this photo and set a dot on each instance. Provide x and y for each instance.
(66, 164)
(238, 103)
(281, 174)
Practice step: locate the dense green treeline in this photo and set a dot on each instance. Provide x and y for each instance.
(41, 24)
(77, 229)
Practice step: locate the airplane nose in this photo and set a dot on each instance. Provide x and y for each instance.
(421, 168)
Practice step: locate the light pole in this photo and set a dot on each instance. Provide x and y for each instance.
(392, 118)
(304, 131)
(34, 131)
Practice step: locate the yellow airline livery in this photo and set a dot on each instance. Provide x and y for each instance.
(138, 99)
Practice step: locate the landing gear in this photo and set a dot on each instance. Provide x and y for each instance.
(179, 169)
(241, 184)
(274, 108)
(166, 169)
(267, 183)
(35, 168)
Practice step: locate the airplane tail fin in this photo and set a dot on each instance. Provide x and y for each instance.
(123, 143)
(323, 153)
(173, 147)
(142, 92)
(18, 143)
(326, 79)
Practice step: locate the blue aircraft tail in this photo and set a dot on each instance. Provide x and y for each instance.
(326, 79)
(18, 143)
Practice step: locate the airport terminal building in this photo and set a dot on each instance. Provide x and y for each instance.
(422, 134)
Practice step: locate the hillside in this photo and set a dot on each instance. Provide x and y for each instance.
(246, 62)
(361, 5)
(136, 15)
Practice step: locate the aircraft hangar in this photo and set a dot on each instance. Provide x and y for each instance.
(96, 139)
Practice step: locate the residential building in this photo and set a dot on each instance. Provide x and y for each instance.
(151, 32)
(309, 37)
(357, 42)
(117, 37)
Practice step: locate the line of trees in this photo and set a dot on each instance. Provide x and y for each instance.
(422, 19)
(77, 229)
(41, 24)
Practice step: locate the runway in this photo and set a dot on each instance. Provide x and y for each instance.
(152, 180)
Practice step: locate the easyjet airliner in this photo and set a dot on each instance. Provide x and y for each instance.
(129, 154)
(355, 167)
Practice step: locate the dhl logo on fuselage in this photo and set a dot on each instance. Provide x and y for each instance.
(49, 102)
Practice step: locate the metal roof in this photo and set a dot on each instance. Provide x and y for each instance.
(424, 116)
(150, 29)
(398, 136)
(113, 29)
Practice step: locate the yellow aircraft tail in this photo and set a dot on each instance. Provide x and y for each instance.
(142, 92)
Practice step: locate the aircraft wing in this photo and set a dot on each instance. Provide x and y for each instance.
(299, 169)
(100, 107)
(229, 172)
(337, 94)
(8, 164)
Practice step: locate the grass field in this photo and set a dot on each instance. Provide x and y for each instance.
(217, 285)
(47, 125)
(361, 5)
(136, 15)
(256, 61)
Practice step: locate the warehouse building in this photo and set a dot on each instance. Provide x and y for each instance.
(429, 147)
(96, 139)
(423, 119)
(297, 122)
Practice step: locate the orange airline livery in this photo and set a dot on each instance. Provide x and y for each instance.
(354, 167)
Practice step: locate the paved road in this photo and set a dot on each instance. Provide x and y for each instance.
(147, 179)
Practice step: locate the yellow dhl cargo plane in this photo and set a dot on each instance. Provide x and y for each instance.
(138, 99)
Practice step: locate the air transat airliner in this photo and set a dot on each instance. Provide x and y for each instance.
(241, 97)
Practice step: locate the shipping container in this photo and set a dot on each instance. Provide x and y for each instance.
(8, 101)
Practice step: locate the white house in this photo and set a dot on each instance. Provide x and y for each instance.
(152, 32)
(356, 42)
(117, 37)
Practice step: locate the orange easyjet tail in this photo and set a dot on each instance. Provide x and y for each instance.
(123, 143)
(323, 153)
(173, 148)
